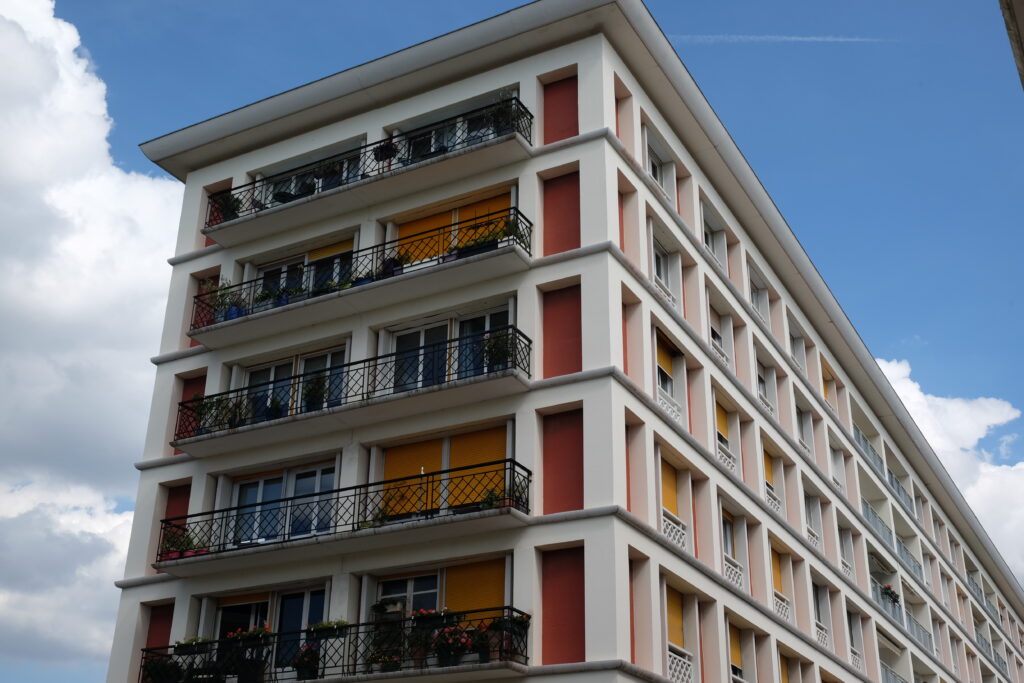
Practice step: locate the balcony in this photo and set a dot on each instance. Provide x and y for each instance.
(328, 289)
(399, 165)
(814, 538)
(774, 501)
(471, 368)
(887, 600)
(983, 644)
(822, 635)
(901, 494)
(733, 571)
(782, 606)
(501, 484)
(847, 567)
(670, 405)
(1000, 663)
(876, 523)
(726, 457)
(680, 665)
(919, 633)
(991, 609)
(766, 404)
(868, 451)
(675, 529)
(474, 640)
(890, 676)
(907, 559)
(856, 659)
(975, 589)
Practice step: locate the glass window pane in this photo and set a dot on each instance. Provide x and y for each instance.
(425, 583)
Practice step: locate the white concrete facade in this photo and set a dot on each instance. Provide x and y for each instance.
(761, 369)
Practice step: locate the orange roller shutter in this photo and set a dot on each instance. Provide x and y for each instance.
(479, 585)
(330, 250)
(411, 460)
(468, 214)
(471, 486)
(783, 668)
(418, 246)
(722, 420)
(159, 631)
(735, 648)
(674, 614)
(669, 488)
(776, 570)
(665, 356)
(769, 469)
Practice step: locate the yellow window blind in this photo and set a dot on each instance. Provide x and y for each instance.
(674, 610)
(469, 486)
(735, 649)
(783, 668)
(412, 495)
(669, 488)
(721, 420)
(416, 246)
(776, 570)
(478, 210)
(478, 585)
(769, 469)
(664, 356)
(330, 250)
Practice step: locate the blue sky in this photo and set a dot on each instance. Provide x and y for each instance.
(889, 135)
(896, 159)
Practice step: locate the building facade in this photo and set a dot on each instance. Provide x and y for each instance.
(492, 358)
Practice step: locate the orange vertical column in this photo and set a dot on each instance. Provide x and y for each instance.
(561, 213)
(563, 331)
(563, 617)
(563, 461)
(561, 110)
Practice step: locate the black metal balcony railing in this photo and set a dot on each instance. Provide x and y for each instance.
(392, 643)
(448, 135)
(457, 491)
(380, 262)
(504, 348)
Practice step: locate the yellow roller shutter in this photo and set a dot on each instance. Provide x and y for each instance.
(735, 649)
(476, 484)
(783, 668)
(825, 379)
(669, 488)
(776, 570)
(475, 221)
(330, 250)
(479, 585)
(769, 469)
(722, 420)
(411, 460)
(674, 610)
(422, 239)
(665, 356)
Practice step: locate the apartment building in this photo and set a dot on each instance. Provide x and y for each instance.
(491, 358)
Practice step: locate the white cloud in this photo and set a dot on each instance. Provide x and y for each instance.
(85, 284)
(719, 38)
(955, 428)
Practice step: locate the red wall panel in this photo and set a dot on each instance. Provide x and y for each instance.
(563, 612)
(563, 461)
(159, 633)
(561, 110)
(177, 501)
(563, 331)
(561, 213)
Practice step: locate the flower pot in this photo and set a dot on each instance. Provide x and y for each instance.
(170, 555)
(282, 300)
(234, 312)
(362, 281)
(192, 648)
(479, 248)
(306, 673)
(449, 658)
(449, 257)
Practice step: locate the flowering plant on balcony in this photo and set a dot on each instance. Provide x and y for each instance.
(890, 593)
(306, 660)
(452, 641)
(256, 633)
(327, 629)
(386, 662)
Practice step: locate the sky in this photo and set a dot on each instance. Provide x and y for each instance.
(889, 135)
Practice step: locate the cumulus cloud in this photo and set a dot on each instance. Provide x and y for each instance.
(955, 428)
(84, 242)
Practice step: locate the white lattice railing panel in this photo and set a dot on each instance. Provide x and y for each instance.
(669, 405)
(766, 404)
(822, 635)
(856, 659)
(727, 458)
(680, 666)
(676, 531)
(665, 293)
(733, 571)
(773, 500)
(720, 352)
(814, 538)
(783, 607)
(846, 567)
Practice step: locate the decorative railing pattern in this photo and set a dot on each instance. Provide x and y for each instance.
(975, 589)
(890, 676)
(670, 406)
(766, 404)
(856, 659)
(846, 567)
(983, 643)
(373, 159)
(490, 485)
(675, 529)
(497, 634)
(726, 457)
(908, 560)
(822, 635)
(991, 609)
(500, 349)
(888, 604)
(665, 293)
(876, 522)
(720, 352)
(901, 493)
(733, 571)
(363, 266)
(782, 606)
(1000, 662)
(919, 633)
(680, 665)
(774, 501)
(814, 538)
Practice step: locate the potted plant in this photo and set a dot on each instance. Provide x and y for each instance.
(889, 592)
(497, 349)
(386, 606)
(250, 648)
(329, 629)
(481, 643)
(234, 412)
(450, 643)
(395, 265)
(479, 245)
(227, 302)
(224, 207)
(491, 500)
(264, 299)
(193, 646)
(385, 151)
(275, 409)
(314, 392)
(383, 661)
(307, 663)
(287, 295)
(161, 669)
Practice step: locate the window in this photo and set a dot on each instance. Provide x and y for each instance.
(839, 469)
(666, 354)
(269, 391)
(804, 426)
(244, 616)
(759, 296)
(432, 142)
(714, 236)
(846, 545)
(722, 426)
(797, 351)
(660, 263)
(728, 535)
(261, 516)
(295, 612)
(421, 357)
(323, 380)
(411, 593)
(762, 382)
(654, 165)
